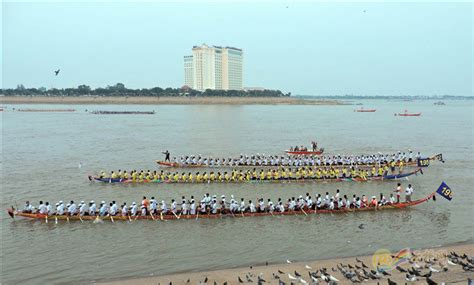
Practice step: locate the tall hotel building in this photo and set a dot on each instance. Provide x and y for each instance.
(214, 68)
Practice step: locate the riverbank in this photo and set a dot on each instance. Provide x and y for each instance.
(165, 100)
(454, 275)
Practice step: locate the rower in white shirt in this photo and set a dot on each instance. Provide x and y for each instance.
(174, 206)
(153, 205)
(60, 209)
(124, 209)
(164, 207)
(82, 208)
(252, 208)
(242, 206)
(113, 209)
(42, 208)
(28, 208)
(92, 208)
(192, 207)
(214, 206)
(134, 209)
(280, 207)
(72, 209)
(49, 209)
(103, 209)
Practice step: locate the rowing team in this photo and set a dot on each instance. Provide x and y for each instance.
(262, 175)
(211, 205)
(275, 160)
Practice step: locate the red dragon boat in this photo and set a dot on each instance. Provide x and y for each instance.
(305, 152)
(14, 213)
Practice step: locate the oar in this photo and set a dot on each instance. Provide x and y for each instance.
(175, 215)
(67, 218)
(46, 219)
(161, 215)
(80, 218)
(112, 218)
(304, 211)
(129, 218)
(197, 215)
(136, 217)
(152, 216)
(55, 219)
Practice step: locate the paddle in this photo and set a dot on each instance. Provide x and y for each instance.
(197, 215)
(152, 216)
(175, 215)
(161, 216)
(112, 219)
(80, 218)
(302, 210)
(46, 219)
(55, 219)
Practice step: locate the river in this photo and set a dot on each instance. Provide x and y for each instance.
(42, 152)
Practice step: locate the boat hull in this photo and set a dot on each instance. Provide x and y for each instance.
(315, 180)
(158, 217)
(318, 152)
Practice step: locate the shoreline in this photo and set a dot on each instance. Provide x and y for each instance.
(454, 275)
(103, 100)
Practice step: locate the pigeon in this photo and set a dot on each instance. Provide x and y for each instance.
(275, 276)
(240, 280)
(297, 274)
(189, 280)
(390, 282)
(280, 282)
(287, 261)
(350, 266)
(361, 226)
(302, 281)
(281, 272)
(307, 267)
(56, 72)
(249, 280)
(363, 265)
(403, 270)
(430, 281)
(410, 278)
(205, 280)
(433, 269)
(358, 260)
(315, 281)
(332, 278)
(292, 277)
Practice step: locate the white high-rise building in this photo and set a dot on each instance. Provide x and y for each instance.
(214, 68)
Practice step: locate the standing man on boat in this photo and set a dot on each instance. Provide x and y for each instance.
(167, 155)
(398, 191)
(408, 192)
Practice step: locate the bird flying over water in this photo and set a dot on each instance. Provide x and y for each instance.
(56, 72)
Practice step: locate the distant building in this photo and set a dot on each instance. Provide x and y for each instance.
(214, 67)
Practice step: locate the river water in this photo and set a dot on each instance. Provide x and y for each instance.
(41, 153)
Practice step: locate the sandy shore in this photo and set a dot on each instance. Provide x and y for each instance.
(454, 275)
(165, 100)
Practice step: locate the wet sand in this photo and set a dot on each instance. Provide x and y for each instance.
(454, 275)
(164, 100)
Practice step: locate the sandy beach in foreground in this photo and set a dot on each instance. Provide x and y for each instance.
(454, 275)
(165, 100)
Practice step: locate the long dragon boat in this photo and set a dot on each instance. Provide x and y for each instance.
(421, 162)
(398, 206)
(301, 180)
(123, 112)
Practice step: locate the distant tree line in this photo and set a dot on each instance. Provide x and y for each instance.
(119, 89)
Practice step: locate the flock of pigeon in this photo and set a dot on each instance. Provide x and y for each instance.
(415, 270)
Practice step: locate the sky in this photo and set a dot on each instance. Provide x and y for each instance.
(307, 48)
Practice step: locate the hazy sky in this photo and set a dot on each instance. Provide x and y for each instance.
(304, 48)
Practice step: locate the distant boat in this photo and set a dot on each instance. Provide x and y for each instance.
(406, 114)
(122, 112)
(46, 110)
(362, 110)
(440, 103)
